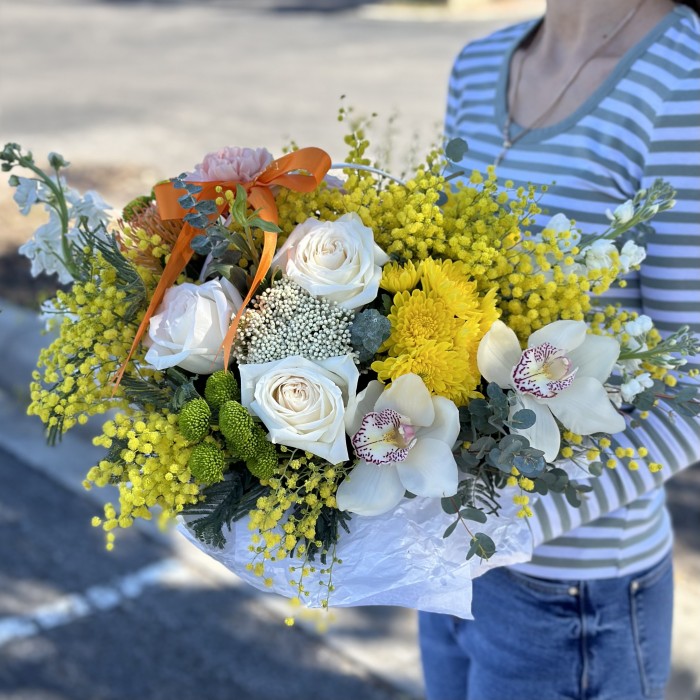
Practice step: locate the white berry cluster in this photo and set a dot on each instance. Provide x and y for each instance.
(286, 320)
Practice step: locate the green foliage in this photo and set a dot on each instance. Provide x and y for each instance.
(482, 546)
(225, 502)
(327, 531)
(456, 149)
(368, 331)
(136, 206)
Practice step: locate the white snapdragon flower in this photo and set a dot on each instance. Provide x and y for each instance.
(90, 206)
(601, 254)
(631, 256)
(640, 326)
(45, 251)
(622, 215)
(26, 194)
(560, 223)
(635, 386)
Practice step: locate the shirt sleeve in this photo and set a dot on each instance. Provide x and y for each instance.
(669, 283)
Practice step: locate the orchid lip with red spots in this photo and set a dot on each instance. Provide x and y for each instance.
(384, 437)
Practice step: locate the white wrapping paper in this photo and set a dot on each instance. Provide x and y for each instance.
(398, 558)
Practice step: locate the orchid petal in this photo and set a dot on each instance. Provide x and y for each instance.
(363, 404)
(408, 396)
(565, 335)
(544, 434)
(446, 426)
(370, 489)
(585, 408)
(498, 352)
(595, 357)
(429, 469)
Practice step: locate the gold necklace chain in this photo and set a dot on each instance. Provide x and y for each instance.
(508, 140)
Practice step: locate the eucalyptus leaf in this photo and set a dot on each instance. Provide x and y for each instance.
(201, 244)
(595, 468)
(456, 149)
(522, 419)
(511, 444)
(206, 207)
(572, 496)
(475, 514)
(196, 220)
(450, 529)
(187, 201)
(482, 546)
(450, 505)
(529, 464)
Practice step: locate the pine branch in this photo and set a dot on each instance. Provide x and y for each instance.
(224, 503)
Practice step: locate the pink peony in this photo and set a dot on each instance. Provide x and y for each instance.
(232, 164)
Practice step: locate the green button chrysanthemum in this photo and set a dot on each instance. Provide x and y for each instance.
(236, 425)
(193, 421)
(221, 387)
(207, 463)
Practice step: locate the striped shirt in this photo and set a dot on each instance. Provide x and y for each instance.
(642, 123)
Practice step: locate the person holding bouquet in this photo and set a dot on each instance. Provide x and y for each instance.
(595, 100)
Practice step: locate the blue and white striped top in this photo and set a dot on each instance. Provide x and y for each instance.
(642, 123)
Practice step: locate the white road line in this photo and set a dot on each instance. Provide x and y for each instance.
(95, 599)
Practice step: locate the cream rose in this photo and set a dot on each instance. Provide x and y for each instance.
(190, 325)
(303, 403)
(337, 260)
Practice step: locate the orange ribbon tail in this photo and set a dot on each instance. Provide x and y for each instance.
(282, 172)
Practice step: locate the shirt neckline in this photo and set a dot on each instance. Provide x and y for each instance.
(623, 65)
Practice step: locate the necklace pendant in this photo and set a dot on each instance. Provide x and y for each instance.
(506, 144)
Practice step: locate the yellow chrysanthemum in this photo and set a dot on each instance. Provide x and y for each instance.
(489, 311)
(443, 368)
(417, 318)
(451, 282)
(400, 278)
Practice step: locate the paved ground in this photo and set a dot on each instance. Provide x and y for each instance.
(133, 91)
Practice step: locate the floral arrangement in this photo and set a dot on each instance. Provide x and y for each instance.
(325, 379)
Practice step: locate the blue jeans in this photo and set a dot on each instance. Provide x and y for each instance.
(541, 639)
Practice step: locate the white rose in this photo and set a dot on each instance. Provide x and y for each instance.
(303, 403)
(190, 325)
(337, 260)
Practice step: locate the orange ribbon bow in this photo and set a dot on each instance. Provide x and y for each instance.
(283, 172)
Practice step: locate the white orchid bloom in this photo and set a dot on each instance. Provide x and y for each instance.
(403, 437)
(561, 373)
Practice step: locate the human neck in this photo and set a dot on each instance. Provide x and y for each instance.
(570, 27)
